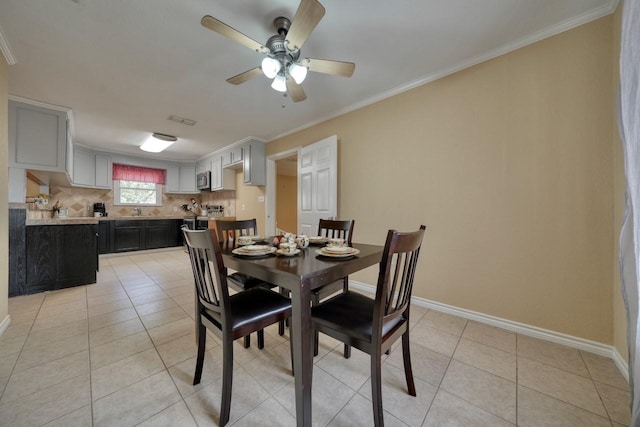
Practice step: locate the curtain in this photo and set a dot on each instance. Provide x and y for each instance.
(629, 127)
(137, 173)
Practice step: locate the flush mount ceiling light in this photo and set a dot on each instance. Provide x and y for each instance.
(283, 62)
(158, 142)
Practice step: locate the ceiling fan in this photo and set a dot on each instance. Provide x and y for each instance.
(283, 62)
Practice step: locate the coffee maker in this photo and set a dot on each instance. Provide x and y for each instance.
(99, 208)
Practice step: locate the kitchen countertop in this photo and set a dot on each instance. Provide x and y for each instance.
(93, 220)
(62, 221)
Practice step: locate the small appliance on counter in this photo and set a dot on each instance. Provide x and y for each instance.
(99, 210)
(215, 211)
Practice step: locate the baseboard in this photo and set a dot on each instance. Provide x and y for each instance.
(4, 324)
(520, 328)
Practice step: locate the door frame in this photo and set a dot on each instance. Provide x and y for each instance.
(270, 188)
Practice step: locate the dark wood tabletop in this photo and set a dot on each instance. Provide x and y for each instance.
(300, 274)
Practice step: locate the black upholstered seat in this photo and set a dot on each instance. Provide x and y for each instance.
(228, 316)
(373, 325)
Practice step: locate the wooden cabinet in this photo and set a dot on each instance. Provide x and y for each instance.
(60, 256)
(17, 252)
(221, 178)
(128, 235)
(139, 234)
(254, 164)
(181, 179)
(37, 137)
(232, 156)
(104, 237)
(91, 169)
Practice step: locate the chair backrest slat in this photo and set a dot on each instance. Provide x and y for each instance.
(230, 230)
(395, 279)
(209, 272)
(337, 229)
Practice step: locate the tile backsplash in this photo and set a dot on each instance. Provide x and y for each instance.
(79, 202)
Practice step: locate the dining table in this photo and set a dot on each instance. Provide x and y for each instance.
(300, 274)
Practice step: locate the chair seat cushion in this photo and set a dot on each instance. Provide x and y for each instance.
(350, 313)
(242, 281)
(253, 305)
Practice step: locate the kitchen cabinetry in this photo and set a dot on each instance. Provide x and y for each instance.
(181, 179)
(59, 256)
(221, 178)
(91, 169)
(37, 137)
(254, 164)
(139, 234)
(104, 237)
(232, 156)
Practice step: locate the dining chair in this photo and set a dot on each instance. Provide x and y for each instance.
(373, 325)
(342, 229)
(228, 233)
(229, 317)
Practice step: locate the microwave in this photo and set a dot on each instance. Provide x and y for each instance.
(203, 181)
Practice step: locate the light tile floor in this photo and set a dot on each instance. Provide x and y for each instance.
(122, 352)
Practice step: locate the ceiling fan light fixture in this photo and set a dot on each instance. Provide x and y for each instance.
(298, 72)
(271, 67)
(279, 83)
(158, 142)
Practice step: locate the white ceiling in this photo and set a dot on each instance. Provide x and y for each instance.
(124, 66)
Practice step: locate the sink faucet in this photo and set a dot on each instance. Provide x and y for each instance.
(138, 211)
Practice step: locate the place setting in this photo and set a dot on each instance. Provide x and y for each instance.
(290, 245)
(254, 251)
(337, 249)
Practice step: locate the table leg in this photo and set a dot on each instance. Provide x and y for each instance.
(301, 334)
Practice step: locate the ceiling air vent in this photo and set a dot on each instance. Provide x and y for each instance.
(181, 120)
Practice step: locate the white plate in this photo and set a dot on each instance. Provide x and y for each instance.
(242, 252)
(337, 249)
(318, 239)
(353, 252)
(281, 252)
(254, 248)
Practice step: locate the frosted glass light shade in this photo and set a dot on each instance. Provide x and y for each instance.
(298, 72)
(158, 142)
(279, 83)
(270, 67)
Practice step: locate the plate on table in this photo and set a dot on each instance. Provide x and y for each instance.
(343, 252)
(249, 240)
(283, 253)
(254, 250)
(318, 240)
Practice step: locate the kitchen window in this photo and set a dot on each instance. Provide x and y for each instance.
(137, 193)
(138, 186)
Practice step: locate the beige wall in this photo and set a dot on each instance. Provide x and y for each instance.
(509, 164)
(619, 313)
(4, 188)
(247, 204)
(287, 203)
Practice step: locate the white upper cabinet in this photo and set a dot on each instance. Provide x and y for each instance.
(91, 169)
(254, 168)
(37, 137)
(181, 179)
(221, 178)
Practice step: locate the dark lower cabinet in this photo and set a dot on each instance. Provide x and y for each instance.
(59, 256)
(135, 235)
(17, 252)
(104, 237)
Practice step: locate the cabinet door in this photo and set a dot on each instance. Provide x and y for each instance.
(104, 171)
(77, 255)
(104, 237)
(188, 179)
(159, 234)
(173, 179)
(41, 262)
(84, 168)
(254, 167)
(128, 236)
(37, 137)
(216, 173)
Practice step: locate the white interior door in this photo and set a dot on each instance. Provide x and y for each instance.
(317, 184)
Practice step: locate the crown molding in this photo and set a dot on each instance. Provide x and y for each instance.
(6, 50)
(568, 24)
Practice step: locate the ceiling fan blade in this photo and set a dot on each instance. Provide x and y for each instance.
(309, 13)
(336, 68)
(243, 77)
(223, 29)
(295, 90)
